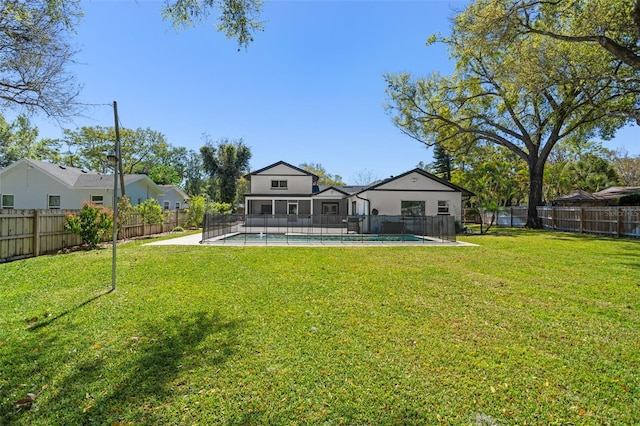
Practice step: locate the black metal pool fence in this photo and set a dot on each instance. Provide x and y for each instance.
(353, 228)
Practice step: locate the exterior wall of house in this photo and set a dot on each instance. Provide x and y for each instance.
(414, 181)
(297, 182)
(390, 202)
(387, 198)
(31, 188)
(339, 204)
(173, 197)
(140, 191)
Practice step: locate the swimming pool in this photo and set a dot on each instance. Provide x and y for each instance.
(269, 238)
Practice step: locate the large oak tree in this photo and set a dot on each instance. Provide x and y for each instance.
(520, 90)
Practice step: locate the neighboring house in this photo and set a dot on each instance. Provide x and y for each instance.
(607, 197)
(285, 190)
(173, 198)
(31, 184)
(578, 198)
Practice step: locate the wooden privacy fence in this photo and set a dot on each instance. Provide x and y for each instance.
(27, 233)
(612, 221)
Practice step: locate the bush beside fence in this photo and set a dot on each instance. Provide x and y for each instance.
(27, 233)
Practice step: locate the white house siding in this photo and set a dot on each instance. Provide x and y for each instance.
(414, 181)
(31, 187)
(297, 181)
(390, 202)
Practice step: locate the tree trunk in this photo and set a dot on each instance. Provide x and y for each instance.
(536, 171)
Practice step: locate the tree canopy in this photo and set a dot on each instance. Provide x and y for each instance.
(238, 19)
(519, 90)
(19, 139)
(324, 177)
(143, 151)
(225, 161)
(34, 54)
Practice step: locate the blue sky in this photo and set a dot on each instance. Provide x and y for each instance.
(308, 89)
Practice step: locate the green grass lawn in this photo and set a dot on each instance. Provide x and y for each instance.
(527, 328)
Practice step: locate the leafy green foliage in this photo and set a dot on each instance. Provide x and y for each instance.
(219, 208)
(225, 162)
(125, 210)
(238, 19)
(324, 178)
(34, 54)
(19, 140)
(520, 90)
(92, 224)
(195, 212)
(143, 151)
(516, 330)
(150, 212)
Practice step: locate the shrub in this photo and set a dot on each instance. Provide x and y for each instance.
(178, 229)
(195, 212)
(219, 208)
(150, 212)
(93, 224)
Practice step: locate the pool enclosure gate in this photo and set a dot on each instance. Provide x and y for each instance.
(333, 227)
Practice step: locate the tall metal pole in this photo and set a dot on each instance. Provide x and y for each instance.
(115, 199)
(115, 224)
(118, 153)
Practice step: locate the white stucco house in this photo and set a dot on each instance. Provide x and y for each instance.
(31, 184)
(284, 190)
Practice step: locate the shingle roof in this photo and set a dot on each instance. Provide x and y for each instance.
(616, 192)
(72, 176)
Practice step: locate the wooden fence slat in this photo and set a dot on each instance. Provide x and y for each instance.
(26, 233)
(615, 221)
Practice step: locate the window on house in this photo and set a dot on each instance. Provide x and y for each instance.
(292, 208)
(412, 208)
(279, 184)
(443, 207)
(6, 202)
(166, 205)
(177, 205)
(98, 200)
(53, 201)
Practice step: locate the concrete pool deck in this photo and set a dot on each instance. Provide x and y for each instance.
(195, 239)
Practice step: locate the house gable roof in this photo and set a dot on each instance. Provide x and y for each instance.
(66, 175)
(74, 177)
(281, 163)
(614, 192)
(452, 186)
(168, 188)
(324, 189)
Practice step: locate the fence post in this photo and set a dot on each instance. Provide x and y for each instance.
(581, 219)
(619, 222)
(36, 233)
(553, 218)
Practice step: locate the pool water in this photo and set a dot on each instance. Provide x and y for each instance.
(323, 238)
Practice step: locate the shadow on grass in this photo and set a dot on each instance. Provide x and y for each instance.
(138, 375)
(50, 320)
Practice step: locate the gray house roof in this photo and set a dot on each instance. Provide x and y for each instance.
(614, 192)
(453, 186)
(78, 178)
(248, 176)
